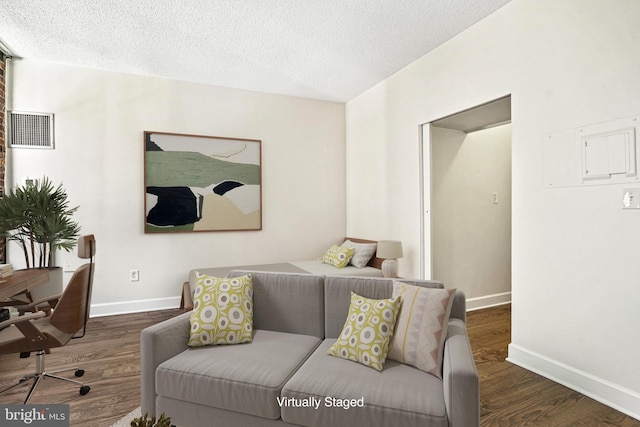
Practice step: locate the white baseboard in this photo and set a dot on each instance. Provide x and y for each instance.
(488, 301)
(620, 398)
(138, 306)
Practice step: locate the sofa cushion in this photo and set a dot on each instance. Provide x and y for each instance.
(287, 302)
(337, 294)
(367, 331)
(421, 326)
(244, 378)
(399, 395)
(222, 311)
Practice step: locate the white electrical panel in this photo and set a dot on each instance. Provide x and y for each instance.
(608, 155)
(603, 153)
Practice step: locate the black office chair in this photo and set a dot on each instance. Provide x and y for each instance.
(37, 333)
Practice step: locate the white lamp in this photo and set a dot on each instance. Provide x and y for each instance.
(390, 251)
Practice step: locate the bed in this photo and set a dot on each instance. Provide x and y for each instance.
(373, 268)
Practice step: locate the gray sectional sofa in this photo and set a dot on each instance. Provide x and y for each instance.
(285, 377)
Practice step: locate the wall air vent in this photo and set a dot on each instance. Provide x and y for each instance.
(30, 130)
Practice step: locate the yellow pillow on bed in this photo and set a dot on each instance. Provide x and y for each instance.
(338, 256)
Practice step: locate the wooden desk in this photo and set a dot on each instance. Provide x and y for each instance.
(21, 281)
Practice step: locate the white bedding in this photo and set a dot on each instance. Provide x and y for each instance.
(318, 267)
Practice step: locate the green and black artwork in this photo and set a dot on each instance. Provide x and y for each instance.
(201, 183)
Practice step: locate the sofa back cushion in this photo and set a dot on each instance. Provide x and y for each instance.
(287, 302)
(337, 293)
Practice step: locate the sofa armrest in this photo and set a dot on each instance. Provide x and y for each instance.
(459, 306)
(460, 377)
(159, 343)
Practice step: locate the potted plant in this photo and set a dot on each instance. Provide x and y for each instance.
(37, 217)
(145, 421)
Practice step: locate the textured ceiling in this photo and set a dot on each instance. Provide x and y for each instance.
(324, 49)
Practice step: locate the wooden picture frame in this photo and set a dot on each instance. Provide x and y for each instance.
(201, 183)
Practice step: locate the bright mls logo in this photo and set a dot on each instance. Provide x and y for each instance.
(34, 415)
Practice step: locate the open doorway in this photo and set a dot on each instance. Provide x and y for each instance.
(467, 230)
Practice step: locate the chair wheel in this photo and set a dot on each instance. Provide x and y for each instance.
(79, 373)
(84, 390)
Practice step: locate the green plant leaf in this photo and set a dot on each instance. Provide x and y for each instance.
(39, 219)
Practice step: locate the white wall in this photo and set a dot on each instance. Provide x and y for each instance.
(99, 122)
(471, 235)
(575, 252)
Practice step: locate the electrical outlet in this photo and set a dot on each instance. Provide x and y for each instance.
(134, 275)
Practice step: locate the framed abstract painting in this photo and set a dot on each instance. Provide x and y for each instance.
(201, 183)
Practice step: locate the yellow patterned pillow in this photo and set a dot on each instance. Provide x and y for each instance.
(338, 256)
(367, 331)
(222, 311)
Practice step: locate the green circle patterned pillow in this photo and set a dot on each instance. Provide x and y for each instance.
(338, 256)
(366, 333)
(222, 311)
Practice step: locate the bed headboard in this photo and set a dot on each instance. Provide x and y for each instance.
(374, 262)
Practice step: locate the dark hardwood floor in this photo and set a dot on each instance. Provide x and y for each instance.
(109, 353)
(513, 396)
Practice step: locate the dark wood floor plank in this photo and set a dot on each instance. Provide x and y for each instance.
(110, 356)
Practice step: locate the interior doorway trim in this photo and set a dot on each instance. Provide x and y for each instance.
(489, 114)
